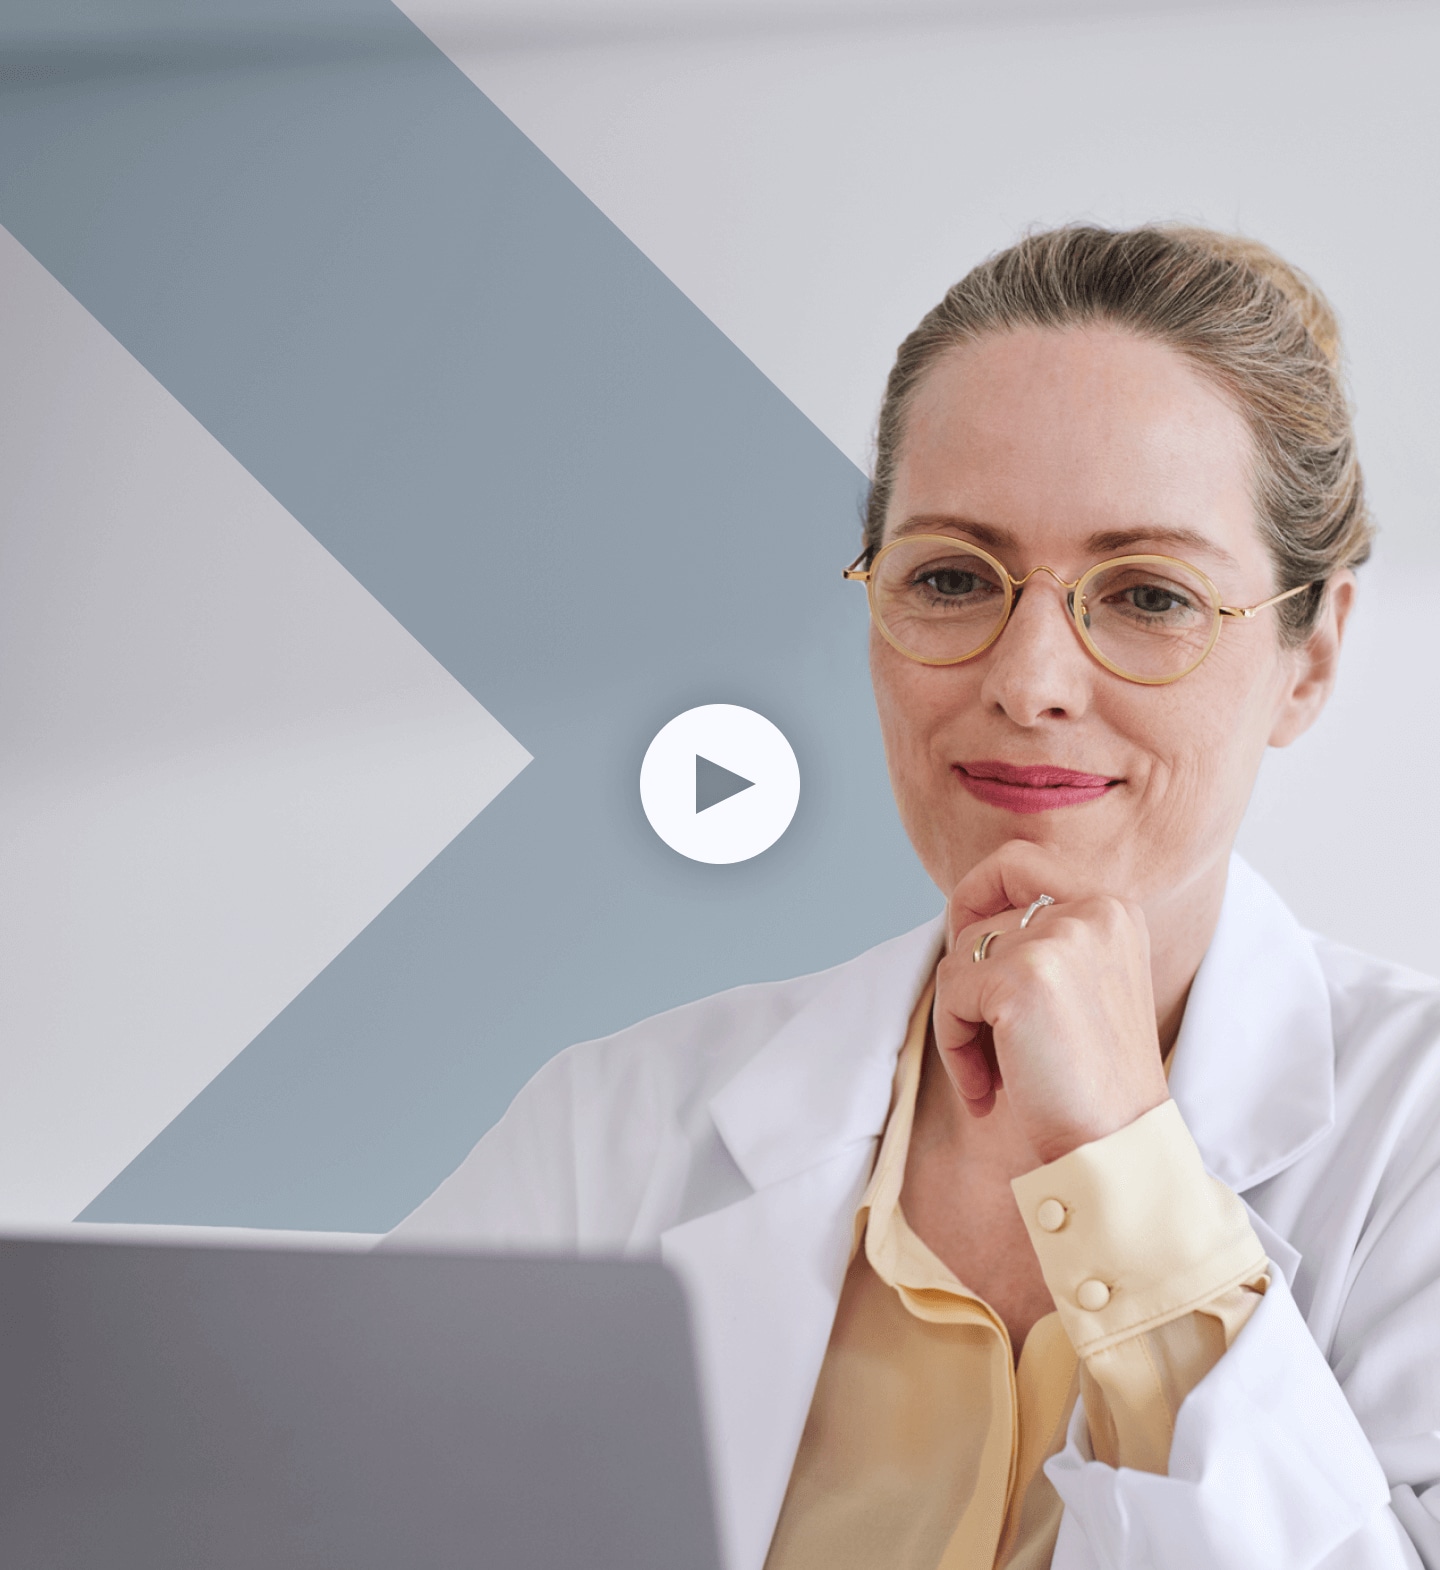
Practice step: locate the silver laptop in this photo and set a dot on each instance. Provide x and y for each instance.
(199, 1408)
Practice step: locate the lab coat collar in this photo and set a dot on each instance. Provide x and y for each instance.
(823, 1081)
(1254, 1066)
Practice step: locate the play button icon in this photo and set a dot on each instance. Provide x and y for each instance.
(714, 784)
(719, 783)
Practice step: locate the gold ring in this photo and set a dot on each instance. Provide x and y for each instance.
(982, 945)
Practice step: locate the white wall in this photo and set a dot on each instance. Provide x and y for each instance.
(814, 191)
(489, 25)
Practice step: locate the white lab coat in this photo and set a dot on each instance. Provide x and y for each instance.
(734, 1137)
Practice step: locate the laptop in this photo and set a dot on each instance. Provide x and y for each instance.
(218, 1408)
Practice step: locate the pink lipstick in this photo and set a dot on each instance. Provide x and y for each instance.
(1034, 787)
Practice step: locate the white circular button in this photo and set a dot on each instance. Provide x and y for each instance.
(719, 783)
(1050, 1215)
(1092, 1295)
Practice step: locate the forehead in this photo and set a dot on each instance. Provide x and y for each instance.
(1051, 438)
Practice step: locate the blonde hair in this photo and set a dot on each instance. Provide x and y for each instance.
(1253, 324)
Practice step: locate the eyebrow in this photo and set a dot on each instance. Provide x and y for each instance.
(1107, 542)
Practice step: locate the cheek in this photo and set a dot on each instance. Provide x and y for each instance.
(1206, 737)
(913, 701)
(923, 712)
(918, 706)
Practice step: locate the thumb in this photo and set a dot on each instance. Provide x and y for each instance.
(967, 1053)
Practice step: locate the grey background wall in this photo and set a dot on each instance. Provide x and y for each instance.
(525, 444)
(351, 458)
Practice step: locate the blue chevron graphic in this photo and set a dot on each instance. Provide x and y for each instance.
(550, 467)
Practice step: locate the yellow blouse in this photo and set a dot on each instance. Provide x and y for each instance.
(924, 1444)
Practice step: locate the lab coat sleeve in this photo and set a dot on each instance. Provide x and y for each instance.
(517, 1189)
(1282, 1459)
(592, 1155)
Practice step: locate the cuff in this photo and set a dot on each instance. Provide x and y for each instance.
(1132, 1232)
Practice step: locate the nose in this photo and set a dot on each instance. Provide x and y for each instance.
(1038, 667)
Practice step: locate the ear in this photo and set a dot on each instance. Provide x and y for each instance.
(1315, 664)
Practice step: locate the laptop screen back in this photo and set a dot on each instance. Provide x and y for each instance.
(183, 1408)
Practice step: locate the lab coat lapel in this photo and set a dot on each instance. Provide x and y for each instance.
(1254, 1065)
(801, 1121)
(764, 1277)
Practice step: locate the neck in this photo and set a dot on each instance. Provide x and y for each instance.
(1181, 923)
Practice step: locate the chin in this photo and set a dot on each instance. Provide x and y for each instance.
(1071, 832)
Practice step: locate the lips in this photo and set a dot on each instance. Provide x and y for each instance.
(1034, 787)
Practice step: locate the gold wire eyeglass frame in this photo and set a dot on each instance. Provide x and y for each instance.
(857, 572)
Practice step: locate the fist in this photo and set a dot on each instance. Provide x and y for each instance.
(1060, 1013)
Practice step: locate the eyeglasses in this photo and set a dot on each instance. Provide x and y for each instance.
(1150, 619)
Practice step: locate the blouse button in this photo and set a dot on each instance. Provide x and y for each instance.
(1092, 1295)
(1050, 1215)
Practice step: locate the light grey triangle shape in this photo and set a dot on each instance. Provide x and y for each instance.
(714, 784)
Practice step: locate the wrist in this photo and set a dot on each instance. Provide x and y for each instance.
(1061, 1141)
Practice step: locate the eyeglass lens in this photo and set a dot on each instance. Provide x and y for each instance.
(1150, 618)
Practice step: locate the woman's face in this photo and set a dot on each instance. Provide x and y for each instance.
(1064, 448)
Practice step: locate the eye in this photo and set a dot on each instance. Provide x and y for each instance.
(1159, 602)
(951, 582)
(956, 581)
(1155, 599)
(934, 580)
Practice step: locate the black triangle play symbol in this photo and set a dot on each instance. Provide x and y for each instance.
(714, 784)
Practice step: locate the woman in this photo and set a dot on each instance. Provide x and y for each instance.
(1099, 1223)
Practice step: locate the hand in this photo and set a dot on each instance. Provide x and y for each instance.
(1061, 1013)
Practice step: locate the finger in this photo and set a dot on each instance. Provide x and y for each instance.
(966, 996)
(974, 1074)
(1001, 929)
(1010, 878)
(966, 1046)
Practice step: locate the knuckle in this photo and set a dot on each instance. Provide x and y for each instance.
(1044, 964)
(1104, 911)
(948, 974)
(1068, 926)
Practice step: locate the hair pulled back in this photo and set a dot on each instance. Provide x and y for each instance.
(1255, 326)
